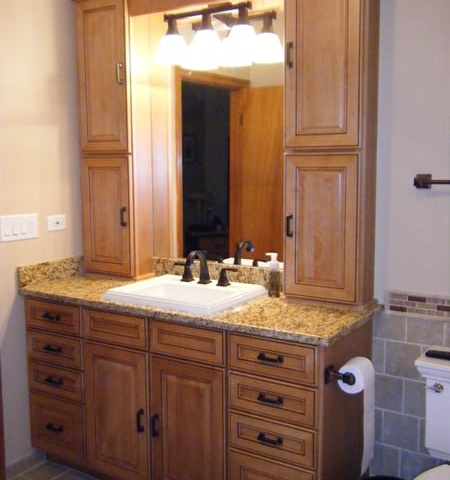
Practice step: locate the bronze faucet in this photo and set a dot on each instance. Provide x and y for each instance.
(204, 272)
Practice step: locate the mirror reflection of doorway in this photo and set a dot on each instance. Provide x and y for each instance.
(205, 157)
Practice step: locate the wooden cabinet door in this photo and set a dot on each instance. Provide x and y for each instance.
(321, 226)
(116, 411)
(322, 73)
(106, 215)
(101, 41)
(187, 421)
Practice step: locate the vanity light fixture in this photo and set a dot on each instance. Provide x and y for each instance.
(237, 49)
(267, 47)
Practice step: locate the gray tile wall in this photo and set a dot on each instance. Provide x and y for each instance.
(399, 391)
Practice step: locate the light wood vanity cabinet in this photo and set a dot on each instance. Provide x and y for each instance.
(115, 185)
(136, 398)
(102, 69)
(188, 405)
(285, 423)
(330, 149)
(116, 394)
(55, 379)
(273, 408)
(106, 215)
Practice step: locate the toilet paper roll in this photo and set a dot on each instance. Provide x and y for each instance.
(362, 369)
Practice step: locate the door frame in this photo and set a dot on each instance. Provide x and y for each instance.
(237, 88)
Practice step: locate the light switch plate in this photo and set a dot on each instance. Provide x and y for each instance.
(56, 222)
(18, 227)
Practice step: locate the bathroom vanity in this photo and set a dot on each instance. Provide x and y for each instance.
(134, 392)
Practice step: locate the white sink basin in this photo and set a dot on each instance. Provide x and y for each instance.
(168, 291)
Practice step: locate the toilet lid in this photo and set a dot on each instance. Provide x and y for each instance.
(437, 473)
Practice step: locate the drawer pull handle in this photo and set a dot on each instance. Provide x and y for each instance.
(276, 442)
(50, 316)
(264, 357)
(52, 428)
(262, 397)
(139, 427)
(58, 382)
(155, 431)
(52, 349)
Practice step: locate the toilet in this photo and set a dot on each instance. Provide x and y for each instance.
(437, 419)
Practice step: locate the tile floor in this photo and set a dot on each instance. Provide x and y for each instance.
(37, 468)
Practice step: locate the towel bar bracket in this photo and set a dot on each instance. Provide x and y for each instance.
(425, 180)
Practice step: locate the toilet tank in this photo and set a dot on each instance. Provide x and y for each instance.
(437, 382)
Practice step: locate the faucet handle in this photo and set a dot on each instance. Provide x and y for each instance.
(223, 279)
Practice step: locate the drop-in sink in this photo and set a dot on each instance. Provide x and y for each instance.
(167, 291)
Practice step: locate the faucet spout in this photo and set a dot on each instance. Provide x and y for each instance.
(204, 272)
(239, 248)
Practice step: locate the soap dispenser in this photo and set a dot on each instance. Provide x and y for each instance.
(274, 284)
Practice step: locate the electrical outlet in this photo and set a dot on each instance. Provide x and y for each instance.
(56, 222)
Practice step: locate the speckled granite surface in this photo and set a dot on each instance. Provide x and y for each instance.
(265, 316)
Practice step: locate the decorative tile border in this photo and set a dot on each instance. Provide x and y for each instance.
(409, 303)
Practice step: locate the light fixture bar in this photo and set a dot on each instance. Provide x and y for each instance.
(223, 7)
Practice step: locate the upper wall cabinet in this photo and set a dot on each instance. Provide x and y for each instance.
(102, 68)
(322, 74)
(330, 145)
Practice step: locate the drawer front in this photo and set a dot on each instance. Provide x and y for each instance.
(55, 381)
(270, 439)
(62, 351)
(243, 466)
(57, 427)
(52, 316)
(126, 330)
(190, 343)
(279, 360)
(277, 401)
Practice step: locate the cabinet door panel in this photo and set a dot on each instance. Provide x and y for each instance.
(102, 72)
(187, 402)
(116, 407)
(323, 80)
(321, 204)
(106, 215)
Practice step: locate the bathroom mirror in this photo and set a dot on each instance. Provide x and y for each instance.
(228, 139)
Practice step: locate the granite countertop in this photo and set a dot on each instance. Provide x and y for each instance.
(265, 316)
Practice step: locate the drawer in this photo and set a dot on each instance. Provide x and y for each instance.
(285, 403)
(57, 427)
(279, 360)
(280, 442)
(190, 343)
(126, 330)
(55, 381)
(243, 466)
(52, 316)
(56, 349)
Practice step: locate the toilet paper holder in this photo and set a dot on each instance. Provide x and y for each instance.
(331, 375)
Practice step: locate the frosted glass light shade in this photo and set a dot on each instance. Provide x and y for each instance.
(172, 50)
(202, 53)
(268, 49)
(237, 48)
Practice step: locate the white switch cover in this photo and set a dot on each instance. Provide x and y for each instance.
(18, 227)
(56, 222)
